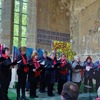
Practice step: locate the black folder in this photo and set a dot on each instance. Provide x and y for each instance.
(40, 68)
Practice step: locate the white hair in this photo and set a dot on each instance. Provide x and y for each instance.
(76, 57)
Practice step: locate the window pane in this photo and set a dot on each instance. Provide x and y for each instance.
(24, 19)
(0, 11)
(17, 4)
(23, 31)
(0, 4)
(24, 10)
(25, 0)
(16, 30)
(16, 18)
(15, 41)
(0, 14)
(22, 24)
(23, 42)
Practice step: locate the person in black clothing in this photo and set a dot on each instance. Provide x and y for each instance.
(34, 74)
(42, 75)
(70, 91)
(22, 72)
(96, 73)
(88, 74)
(50, 73)
(63, 72)
(5, 73)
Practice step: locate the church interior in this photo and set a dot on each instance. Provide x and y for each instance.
(72, 26)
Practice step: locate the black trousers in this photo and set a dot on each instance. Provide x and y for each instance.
(88, 81)
(50, 89)
(97, 84)
(42, 82)
(4, 85)
(60, 85)
(21, 83)
(4, 89)
(33, 86)
(78, 84)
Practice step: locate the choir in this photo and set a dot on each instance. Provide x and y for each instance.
(45, 72)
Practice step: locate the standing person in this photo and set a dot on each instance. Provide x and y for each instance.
(97, 73)
(34, 75)
(5, 73)
(22, 72)
(88, 73)
(50, 73)
(55, 58)
(42, 75)
(76, 71)
(63, 72)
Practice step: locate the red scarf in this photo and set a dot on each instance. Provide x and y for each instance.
(26, 69)
(64, 62)
(4, 56)
(54, 62)
(37, 65)
(99, 65)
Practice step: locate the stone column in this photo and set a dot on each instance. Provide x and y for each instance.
(5, 28)
(32, 23)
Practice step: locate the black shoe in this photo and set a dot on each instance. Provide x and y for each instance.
(7, 98)
(27, 90)
(35, 96)
(41, 91)
(24, 98)
(51, 95)
(59, 93)
(18, 98)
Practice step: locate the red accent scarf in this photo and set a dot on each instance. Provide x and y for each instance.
(54, 62)
(64, 62)
(26, 69)
(99, 65)
(37, 65)
(4, 56)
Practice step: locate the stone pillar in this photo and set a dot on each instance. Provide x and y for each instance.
(32, 23)
(5, 28)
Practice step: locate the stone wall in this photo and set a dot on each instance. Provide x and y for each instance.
(80, 18)
(85, 27)
(53, 15)
(32, 23)
(5, 26)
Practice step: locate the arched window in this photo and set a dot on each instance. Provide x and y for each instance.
(20, 23)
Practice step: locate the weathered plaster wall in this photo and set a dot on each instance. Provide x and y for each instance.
(5, 24)
(31, 23)
(53, 15)
(84, 26)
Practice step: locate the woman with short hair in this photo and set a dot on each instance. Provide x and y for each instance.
(88, 74)
(22, 73)
(34, 74)
(5, 73)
